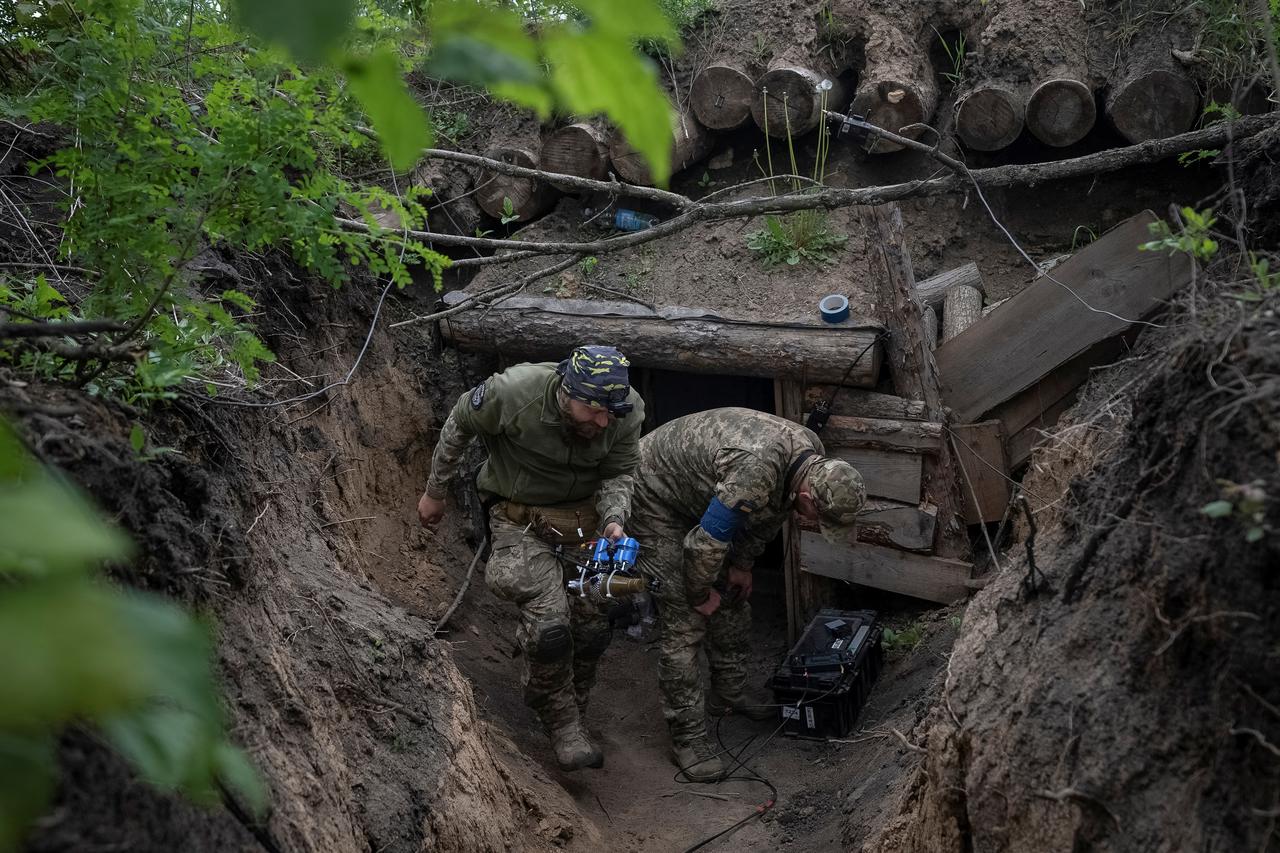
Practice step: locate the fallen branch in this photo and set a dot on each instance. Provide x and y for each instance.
(466, 582)
(57, 330)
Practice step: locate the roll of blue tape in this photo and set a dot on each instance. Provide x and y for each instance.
(834, 308)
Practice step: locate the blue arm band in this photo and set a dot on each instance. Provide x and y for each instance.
(720, 522)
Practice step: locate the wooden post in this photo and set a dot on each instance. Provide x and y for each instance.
(896, 88)
(931, 327)
(787, 99)
(911, 365)
(1150, 96)
(690, 142)
(990, 116)
(962, 308)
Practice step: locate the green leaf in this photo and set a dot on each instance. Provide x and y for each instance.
(1217, 509)
(1255, 534)
(137, 438)
(634, 19)
(28, 767)
(607, 76)
(308, 28)
(237, 773)
(46, 529)
(402, 126)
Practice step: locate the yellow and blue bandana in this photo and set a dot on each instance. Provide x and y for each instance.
(598, 376)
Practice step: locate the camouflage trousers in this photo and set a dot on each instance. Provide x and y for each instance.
(684, 633)
(561, 637)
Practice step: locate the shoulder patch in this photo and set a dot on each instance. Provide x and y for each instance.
(477, 395)
(745, 506)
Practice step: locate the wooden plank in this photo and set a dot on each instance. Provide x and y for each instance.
(858, 403)
(980, 452)
(1045, 325)
(883, 434)
(896, 476)
(898, 525)
(1019, 446)
(693, 340)
(931, 578)
(1026, 408)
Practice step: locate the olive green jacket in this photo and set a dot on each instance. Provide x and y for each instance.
(531, 461)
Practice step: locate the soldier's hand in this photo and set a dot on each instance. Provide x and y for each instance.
(709, 606)
(741, 579)
(613, 531)
(430, 510)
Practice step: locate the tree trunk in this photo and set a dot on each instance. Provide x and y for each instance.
(896, 88)
(721, 97)
(690, 340)
(961, 310)
(1151, 97)
(788, 99)
(990, 116)
(690, 143)
(580, 149)
(529, 198)
(1061, 111)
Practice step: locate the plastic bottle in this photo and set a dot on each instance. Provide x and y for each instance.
(632, 220)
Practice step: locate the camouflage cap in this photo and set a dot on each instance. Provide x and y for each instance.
(837, 487)
(598, 376)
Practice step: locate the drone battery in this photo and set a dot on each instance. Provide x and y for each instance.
(826, 678)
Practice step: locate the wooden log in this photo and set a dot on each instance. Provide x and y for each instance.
(1151, 97)
(990, 116)
(894, 476)
(690, 142)
(962, 308)
(981, 458)
(930, 578)
(911, 364)
(863, 404)
(933, 290)
(788, 99)
(529, 198)
(898, 525)
(883, 434)
(896, 88)
(580, 149)
(1061, 111)
(1048, 324)
(721, 97)
(685, 339)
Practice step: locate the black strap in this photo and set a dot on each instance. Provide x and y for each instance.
(795, 466)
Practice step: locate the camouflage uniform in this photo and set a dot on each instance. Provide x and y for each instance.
(540, 482)
(751, 461)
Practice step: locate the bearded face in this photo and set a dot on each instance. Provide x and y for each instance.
(580, 422)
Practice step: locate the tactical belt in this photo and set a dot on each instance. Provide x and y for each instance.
(558, 524)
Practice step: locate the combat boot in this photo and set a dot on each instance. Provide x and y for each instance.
(697, 760)
(574, 749)
(741, 706)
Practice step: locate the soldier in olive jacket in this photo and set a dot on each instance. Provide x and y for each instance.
(563, 443)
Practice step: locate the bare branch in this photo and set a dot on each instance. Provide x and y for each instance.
(57, 330)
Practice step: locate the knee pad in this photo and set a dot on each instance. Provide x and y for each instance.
(550, 643)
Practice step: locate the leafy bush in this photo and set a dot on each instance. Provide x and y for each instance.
(75, 649)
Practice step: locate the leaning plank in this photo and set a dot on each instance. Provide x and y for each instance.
(693, 340)
(931, 578)
(1050, 322)
(1029, 405)
(883, 434)
(898, 525)
(864, 404)
(1019, 446)
(980, 453)
(895, 476)
(932, 291)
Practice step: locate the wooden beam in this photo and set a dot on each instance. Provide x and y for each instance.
(864, 404)
(898, 525)
(1028, 405)
(1094, 295)
(933, 291)
(883, 434)
(980, 456)
(694, 340)
(917, 575)
(1019, 446)
(911, 364)
(896, 476)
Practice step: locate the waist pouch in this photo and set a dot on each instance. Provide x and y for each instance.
(557, 524)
